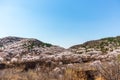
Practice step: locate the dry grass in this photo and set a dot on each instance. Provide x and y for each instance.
(47, 73)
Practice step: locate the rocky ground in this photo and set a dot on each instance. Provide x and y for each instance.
(15, 51)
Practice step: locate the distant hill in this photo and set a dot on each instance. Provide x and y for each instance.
(14, 46)
(105, 45)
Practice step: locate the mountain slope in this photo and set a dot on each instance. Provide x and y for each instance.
(104, 45)
(29, 53)
(9, 40)
(15, 47)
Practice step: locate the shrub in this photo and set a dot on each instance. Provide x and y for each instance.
(109, 70)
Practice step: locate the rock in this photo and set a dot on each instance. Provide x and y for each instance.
(1, 59)
(94, 52)
(95, 63)
(57, 70)
(70, 66)
(14, 60)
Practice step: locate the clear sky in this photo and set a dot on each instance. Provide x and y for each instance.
(60, 22)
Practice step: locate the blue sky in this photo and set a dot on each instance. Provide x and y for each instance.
(60, 22)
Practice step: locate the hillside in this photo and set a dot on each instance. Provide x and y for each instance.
(104, 45)
(33, 59)
(15, 47)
